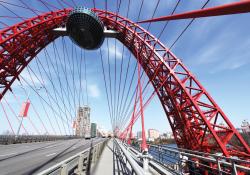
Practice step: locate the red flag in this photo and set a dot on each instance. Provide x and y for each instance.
(24, 109)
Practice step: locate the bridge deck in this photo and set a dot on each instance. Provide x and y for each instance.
(31, 158)
(109, 163)
(106, 163)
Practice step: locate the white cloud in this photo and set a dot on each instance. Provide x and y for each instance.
(94, 91)
(222, 49)
(115, 52)
(37, 79)
(25, 77)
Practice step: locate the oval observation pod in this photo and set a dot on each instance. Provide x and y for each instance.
(85, 28)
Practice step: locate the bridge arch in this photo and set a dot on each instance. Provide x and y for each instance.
(192, 113)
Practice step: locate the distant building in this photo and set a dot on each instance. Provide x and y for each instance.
(83, 122)
(101, 132)
(245, 126)
(93, 130)
(168, 135)
(153, 134)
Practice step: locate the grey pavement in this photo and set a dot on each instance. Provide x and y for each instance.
(105, 165)
(31, 158)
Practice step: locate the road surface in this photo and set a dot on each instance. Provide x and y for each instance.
(31, 158)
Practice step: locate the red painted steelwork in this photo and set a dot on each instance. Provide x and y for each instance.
(227, 9)
(20, 43)
(133, 117)
(192, 113)
(144, 146)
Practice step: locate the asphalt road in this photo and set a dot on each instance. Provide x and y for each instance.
(31, 158)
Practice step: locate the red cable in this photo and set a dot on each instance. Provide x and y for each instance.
(18, 100)
(144, 143)
(15, 114)
(133, 116)
(6, 116)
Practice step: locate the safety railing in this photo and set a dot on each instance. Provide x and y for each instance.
(13, 139)
(77, 164)
(128, 164)
(172, 160)
(186, 161)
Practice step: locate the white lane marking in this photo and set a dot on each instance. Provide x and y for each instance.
(50, 146)
(50, 154)
(3, 155)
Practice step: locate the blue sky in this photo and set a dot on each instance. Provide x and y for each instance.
(214, 49)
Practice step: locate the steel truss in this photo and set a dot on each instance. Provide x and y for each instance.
(192, 113)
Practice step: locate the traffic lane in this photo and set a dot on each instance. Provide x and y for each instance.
(44, 158)
(71, 152)
(9, 151)
(24, 163)
(20, 147)
(58, 157)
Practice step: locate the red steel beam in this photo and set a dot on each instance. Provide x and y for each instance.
(226, 9)
(188, 106)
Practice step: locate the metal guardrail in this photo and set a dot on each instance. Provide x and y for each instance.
(182, 160)
(77, 164)
(12, 139)
(170, 160)
(153, 166)
(128, 163)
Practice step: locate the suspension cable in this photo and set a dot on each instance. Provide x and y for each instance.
(185, 29)
(160, 34)
(105, 84)
(20, 6)
(48, 95)
(177, 37)
(55, 99)
(7, 118)
(128, 65)
(16, 116)
(49, 75)
(140, 50)
(29, 119)
(115, 105)
(46, 113)
(43, 100)
(85, 76)
(59, 78)
(21, 17)
(46, 4)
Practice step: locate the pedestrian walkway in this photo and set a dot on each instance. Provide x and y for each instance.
(105, 165)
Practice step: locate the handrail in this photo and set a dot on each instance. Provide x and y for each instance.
(134, 165)
(221, 161)
(203, 153)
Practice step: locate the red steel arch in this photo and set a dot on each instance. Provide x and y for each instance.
(192, 113)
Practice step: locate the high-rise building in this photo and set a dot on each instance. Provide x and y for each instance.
(93, 130)
(83, 122)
